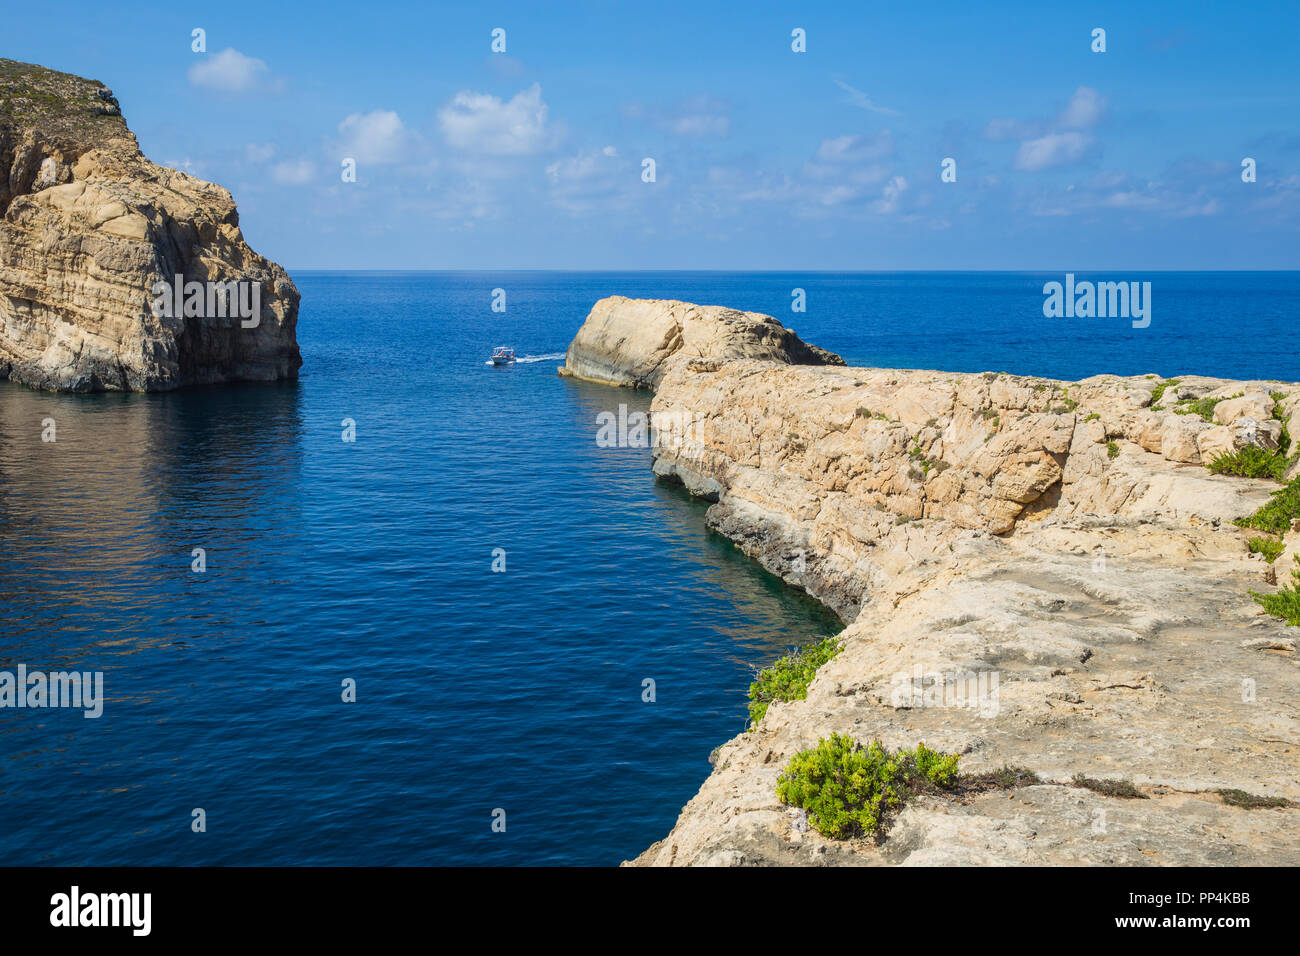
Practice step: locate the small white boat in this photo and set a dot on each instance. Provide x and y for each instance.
(503, 355)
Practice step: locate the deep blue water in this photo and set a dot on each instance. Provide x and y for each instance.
(372, 560)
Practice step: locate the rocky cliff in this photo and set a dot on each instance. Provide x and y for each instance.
(1063, 539)
(89, 228)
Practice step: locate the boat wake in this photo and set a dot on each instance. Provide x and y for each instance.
(529, 359)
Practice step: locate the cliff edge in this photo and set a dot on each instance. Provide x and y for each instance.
(1034, 573)
(116, 273)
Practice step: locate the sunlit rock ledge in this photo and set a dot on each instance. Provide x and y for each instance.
(1065, 537)
(90, 230)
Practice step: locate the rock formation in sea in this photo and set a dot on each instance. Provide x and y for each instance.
(1065, 540)
(90, 233)
(636, 342)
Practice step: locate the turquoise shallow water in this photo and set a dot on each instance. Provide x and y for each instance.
(372, 560)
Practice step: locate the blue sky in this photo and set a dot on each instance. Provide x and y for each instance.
(764, 158)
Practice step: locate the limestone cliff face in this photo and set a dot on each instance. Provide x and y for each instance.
(88, 225)
(826, 465)
(1063, 536)
(636, 342)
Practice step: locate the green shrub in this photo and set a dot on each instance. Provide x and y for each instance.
(850, 790)
(1112, 449)
(1158, 392)
(1250, 462)
(788, 678)
(1286, 602)
(1271, 548)
(1277, 514)
(1092, 417)
(1204, 407)
(1284, 442)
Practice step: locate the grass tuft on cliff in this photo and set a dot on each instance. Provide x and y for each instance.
(1109, 788)
(1277, 514)
(1286, 602)
(1158, 392)
(1007, 777)
(850, 790)
(788, 678)
(1251, 801)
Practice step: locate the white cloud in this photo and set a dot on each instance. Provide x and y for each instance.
(856, 149)
(695, 117)
(592, 181)
(1085, 108)
(376, 138)
(1054, 149)
(1129, 200)
(1211, 208)
(891, 195)
(1108, 179)
(700, 116)
(479, 122)
(1000, 130)
(230, 72)
(296, 172)
(259, 153)
(1055, 142)
(862, 100)
(580, 167)
(848, 168)
(185, 165)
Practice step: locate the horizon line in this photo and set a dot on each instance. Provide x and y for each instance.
(791, 271)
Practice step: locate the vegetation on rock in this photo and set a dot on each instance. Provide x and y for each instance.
(1109, 788)
(1271, 548)
(1286, 602)
(1250, 462)
(1251, 801)
(1276, 516)
(850, 790)
(788, 678)
(1203, 407)
(1158, 392)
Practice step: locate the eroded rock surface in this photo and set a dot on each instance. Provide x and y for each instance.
(88, 225)
(1064, 538)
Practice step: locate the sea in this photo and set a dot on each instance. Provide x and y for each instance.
(407, 610)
